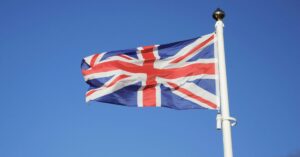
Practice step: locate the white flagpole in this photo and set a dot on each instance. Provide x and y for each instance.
(225, 118)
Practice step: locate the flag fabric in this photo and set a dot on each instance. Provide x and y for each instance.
(179, 75)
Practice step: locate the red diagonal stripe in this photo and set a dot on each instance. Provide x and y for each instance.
(117, 79)
(90, 92)
(196, 48)
(124, 56)
(192, 95)
(109, 85)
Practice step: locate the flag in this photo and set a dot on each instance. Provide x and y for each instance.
(179, 75)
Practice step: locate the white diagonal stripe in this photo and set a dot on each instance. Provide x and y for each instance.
(189, 47)
(104, 90)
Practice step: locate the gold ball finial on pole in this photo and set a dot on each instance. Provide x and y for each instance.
(218, 14)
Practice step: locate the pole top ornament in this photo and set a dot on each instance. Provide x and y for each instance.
(218, 14)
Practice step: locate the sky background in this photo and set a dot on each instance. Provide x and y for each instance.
(42, 107)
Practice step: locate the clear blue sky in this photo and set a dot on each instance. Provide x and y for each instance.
(42, 107)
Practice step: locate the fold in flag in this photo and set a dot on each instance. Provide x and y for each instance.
(179, 75)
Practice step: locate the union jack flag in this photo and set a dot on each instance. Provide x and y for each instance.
(179, 75)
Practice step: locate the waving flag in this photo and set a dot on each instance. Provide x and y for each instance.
(179, 75)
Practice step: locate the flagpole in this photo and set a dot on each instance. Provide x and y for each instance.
(225, 118)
